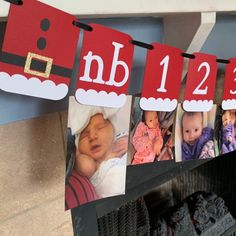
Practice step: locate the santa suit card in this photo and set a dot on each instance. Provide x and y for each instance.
(105, 65)
(38, 51)
(162, 79)
(229, 93)
(200, 84)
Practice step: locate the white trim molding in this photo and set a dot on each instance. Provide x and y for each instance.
(115, 8)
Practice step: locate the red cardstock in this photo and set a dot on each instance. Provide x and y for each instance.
(162, 79)
(105, 65)
(229, 93)
(38, 51)
(200, 84)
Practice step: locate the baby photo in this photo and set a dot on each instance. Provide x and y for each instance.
(96, 152)
(226, 126)
(194, 135)
(151, 135)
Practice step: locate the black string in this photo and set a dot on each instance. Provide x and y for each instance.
(82, 25)
(223, 61)
(141, 44)
(184, 54)
(134, 42)
(16, 2)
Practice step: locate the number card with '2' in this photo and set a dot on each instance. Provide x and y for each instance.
(162, 79)
(200, 84)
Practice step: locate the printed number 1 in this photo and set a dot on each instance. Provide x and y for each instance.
(198, 90)
(231, 91)
(165, 61)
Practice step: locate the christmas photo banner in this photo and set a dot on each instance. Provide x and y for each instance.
(39, 48)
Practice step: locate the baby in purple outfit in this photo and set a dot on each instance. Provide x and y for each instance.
(228, 134)
(197, 141)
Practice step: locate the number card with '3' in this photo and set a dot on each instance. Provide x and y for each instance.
(229, 94)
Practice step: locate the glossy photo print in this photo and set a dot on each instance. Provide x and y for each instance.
(151, 135)
(96, 152)
(226, 126)
(195, 136)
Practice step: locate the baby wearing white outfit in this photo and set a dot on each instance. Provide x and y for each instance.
(94, 129)
(109, 179)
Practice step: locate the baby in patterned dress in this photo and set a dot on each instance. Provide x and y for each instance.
(147, 139)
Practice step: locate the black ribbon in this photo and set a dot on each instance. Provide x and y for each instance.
(82, 25)
(16, 2)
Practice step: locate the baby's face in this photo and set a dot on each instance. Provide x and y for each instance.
(151, 119)
(192, 127)
(97, 138)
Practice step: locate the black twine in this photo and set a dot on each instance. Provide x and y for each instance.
(141, 44)
(184, 54)
(134, 42)
(82, 25)
(16, 2)
(223, 61)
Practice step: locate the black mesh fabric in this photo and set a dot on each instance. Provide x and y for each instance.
(130, 219)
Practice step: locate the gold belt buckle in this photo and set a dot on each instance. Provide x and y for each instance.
(28, 62)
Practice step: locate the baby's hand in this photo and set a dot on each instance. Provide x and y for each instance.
(230, 139)
(85, 165)
(157, 147)
(120, 146)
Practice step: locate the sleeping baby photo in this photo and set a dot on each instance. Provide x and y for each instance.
(96, 165)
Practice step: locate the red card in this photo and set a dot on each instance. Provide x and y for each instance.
(38, 51)
(105, 65)
(200, 84)
(229, 93)
(162, 78)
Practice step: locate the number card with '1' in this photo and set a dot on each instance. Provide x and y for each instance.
(162, 79)
(200, 84)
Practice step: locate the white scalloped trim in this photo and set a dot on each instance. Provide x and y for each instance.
(102, 98)
(159, 104)
(199, 105)
(229, 104)
(32, 87)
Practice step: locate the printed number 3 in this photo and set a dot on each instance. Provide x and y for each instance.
(231, 91)
(198, 90)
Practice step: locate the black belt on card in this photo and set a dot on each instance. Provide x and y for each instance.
(35, 64)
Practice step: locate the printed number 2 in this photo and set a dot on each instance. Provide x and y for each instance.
(231, 91)
(165, 61)
(198, 90)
